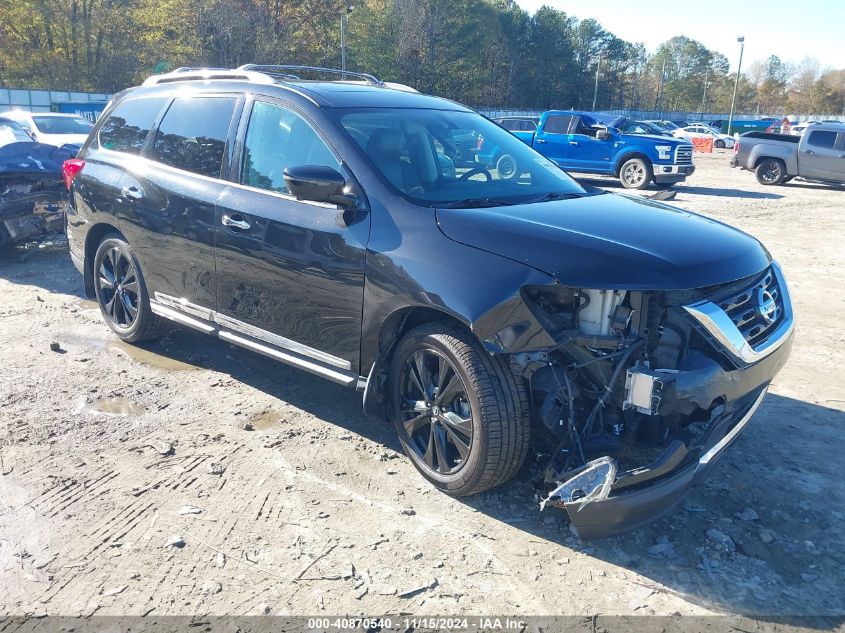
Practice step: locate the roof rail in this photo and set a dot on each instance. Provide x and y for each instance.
(289, 72)
(186, 73)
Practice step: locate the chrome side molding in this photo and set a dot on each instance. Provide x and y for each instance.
(720, 326)
(256, 339)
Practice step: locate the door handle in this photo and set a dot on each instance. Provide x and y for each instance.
(808, 151)
(132, 192)
(573, 142)
(541, 140)
(236, 222)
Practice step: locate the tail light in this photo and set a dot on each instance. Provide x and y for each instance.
(736, 146)
(70, 168)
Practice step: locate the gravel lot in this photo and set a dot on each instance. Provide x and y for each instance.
(110, 451)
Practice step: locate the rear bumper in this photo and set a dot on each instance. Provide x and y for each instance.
(665, 174)
(625, 511)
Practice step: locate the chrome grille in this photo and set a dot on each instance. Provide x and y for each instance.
(683, 154)
(745, 310)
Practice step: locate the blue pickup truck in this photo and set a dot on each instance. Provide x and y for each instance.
(580, 142)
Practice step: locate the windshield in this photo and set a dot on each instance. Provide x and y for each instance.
(62, 124)
(456, 159)
(11, 132)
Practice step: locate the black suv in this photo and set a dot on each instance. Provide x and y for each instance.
(331, 224)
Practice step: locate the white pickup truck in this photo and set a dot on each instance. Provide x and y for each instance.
(818, 154)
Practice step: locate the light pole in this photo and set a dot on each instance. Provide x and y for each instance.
(741, 40)
(347, 10)
(596, 89)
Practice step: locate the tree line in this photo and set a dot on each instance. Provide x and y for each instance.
(488, 53)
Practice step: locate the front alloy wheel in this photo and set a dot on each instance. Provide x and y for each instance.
(635, 174)
(460, 413)
(437, 416)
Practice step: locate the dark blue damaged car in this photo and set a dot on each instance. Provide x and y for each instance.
(33, 196)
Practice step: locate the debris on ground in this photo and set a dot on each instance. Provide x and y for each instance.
(175, 541)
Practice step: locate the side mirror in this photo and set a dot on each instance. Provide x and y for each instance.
(602, 134)
(318, 183)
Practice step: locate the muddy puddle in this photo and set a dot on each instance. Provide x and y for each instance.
(120, 407)
(138, 354)
(266, 420)
(87, 304)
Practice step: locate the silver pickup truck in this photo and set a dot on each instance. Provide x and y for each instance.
(818, 154)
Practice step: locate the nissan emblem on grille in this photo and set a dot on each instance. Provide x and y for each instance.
(766, 306)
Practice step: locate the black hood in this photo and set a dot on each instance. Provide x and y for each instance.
(611, 241)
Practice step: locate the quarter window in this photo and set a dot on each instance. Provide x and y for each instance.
(821, 138)
(192, 135)
(278, 138)
(129, 123)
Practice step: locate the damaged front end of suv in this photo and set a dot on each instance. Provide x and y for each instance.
(643, 389)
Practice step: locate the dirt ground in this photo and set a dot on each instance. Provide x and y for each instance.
(110, 452)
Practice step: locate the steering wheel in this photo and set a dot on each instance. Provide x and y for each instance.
(477, 170)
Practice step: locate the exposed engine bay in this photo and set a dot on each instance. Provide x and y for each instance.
(636, 386)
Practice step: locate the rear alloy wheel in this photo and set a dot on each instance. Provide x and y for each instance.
(506, 167)
(121, 292)
(720, 144)
(461, 414)
(635, 174)
(770, 171)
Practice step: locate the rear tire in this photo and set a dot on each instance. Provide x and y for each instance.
(460, 413)
(506, 167)
(720, 144)
(636, 173)
(121, 292)
(770, 171)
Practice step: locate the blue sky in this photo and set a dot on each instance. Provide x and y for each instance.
(789, 29)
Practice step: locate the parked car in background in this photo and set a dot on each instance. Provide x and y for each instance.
(680, 122)
(51, 128)
(818, 154)
(485, 315)
(518, 123)
(643, 127)
(699, 130)
(799, 128)
(11, 132)
(579, 142)
(662, 124)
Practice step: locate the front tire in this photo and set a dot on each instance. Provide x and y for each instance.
(720, 144)
(460, 413)
(636, 173)
(770, 171)
(121, 292)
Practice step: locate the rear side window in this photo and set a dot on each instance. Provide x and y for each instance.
(822, 138)
(129, 123)
(558, 124)
(192, 135)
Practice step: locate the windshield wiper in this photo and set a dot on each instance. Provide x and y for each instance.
(476, 203)
(554, 195)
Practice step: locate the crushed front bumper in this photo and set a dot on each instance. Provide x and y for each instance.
(627, 510)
